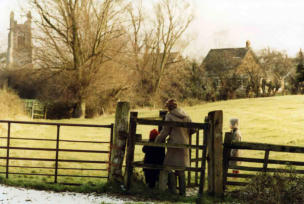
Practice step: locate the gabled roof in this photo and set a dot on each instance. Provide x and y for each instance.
(227, 58)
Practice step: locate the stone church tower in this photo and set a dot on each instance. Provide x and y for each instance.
(19, 52)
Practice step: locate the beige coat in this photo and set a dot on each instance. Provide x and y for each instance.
(177, 135)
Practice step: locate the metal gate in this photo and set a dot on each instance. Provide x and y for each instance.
(62, 153)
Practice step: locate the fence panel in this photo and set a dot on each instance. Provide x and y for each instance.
(251, 163)
(60, 161)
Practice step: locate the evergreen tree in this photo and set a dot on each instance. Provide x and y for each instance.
(300, 68)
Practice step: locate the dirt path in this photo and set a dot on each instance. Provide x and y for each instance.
(13, 195)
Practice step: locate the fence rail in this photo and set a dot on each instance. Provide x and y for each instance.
(57, 150)
(181, 146)
(267, 148)
(171, 123)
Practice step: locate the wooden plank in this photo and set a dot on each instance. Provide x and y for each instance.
(199, 159)
(241, 175)
(160, 167)
(266, 157)
(119, 143)
(244, 159)
(204, 159)
(110, 151)
(226, 157)
(285, 170)
(196, 156)
(270, 161)
(262, 146)
(171, 123)
(246, 168)
(146, 143)
(130, 150)
(234, 183)
(259, 169)
(190, 152)
(153, 118)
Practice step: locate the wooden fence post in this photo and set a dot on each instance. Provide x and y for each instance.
(266, 157)
(226, 156)
(130, 149)
(119, 141)
(215, 153)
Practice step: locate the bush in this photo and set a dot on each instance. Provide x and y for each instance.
(11, 105)
(274, 188)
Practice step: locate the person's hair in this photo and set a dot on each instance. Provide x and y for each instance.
(171, 104)
(234, 122)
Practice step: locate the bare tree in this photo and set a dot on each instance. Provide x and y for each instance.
(152, 47)
(278, 66)
(77, 36)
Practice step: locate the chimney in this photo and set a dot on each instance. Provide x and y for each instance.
(248, 44)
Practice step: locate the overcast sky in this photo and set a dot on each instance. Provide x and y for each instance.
(276, 24)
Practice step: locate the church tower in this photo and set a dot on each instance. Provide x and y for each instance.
(19, 52)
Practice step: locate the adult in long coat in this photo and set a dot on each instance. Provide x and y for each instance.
(178, 157)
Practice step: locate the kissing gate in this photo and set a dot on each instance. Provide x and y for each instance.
(205, 139)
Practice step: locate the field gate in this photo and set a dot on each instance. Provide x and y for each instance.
(17, 165)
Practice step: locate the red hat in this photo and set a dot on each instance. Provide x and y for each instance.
(153, 134)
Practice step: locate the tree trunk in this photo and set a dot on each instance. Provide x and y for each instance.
(79, 110)
(83, 109)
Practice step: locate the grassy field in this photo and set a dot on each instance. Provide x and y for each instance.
(275, 120)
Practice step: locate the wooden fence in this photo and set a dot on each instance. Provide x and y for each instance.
(57, 150)
(264, 162)
(210, 127)
(35, 109)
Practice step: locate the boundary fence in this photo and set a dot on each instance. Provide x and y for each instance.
(267, 148)
(57, 150)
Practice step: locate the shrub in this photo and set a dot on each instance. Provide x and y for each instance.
(11, 105)
(274, 188)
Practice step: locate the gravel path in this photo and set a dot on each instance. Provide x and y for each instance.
(13, 195)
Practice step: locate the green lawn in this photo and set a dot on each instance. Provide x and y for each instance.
(276, 120)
